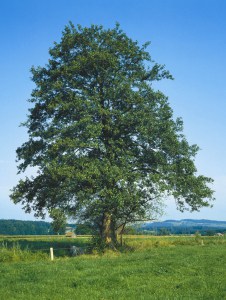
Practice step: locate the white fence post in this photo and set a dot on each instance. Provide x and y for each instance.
(51, 253)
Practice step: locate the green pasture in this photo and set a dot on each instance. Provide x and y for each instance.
(153, 268)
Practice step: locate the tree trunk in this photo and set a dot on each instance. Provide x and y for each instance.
(106, 232)
(109, 236)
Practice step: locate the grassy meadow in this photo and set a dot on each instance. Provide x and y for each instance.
(153, 268)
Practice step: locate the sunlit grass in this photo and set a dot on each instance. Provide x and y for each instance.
(154, 268)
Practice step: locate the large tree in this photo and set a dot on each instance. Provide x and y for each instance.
(104, 141)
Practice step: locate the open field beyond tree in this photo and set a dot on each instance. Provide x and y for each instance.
(154, 268)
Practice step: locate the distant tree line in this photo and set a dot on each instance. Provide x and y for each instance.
(18, 227)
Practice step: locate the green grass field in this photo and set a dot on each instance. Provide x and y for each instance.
(156, 268)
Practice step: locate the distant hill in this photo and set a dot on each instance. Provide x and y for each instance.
(185, 226)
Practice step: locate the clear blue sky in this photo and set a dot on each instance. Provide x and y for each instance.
(187, 36)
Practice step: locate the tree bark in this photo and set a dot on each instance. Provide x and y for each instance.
(106, 233)
(109, 235)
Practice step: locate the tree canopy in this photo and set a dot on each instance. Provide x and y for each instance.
(104, 141)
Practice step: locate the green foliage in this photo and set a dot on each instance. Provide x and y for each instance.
(164, 231)
(59, 220)
(210, 232)
(130, 230)
(84, 229)
(98, 245)
(105, 143)
(18, 227)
